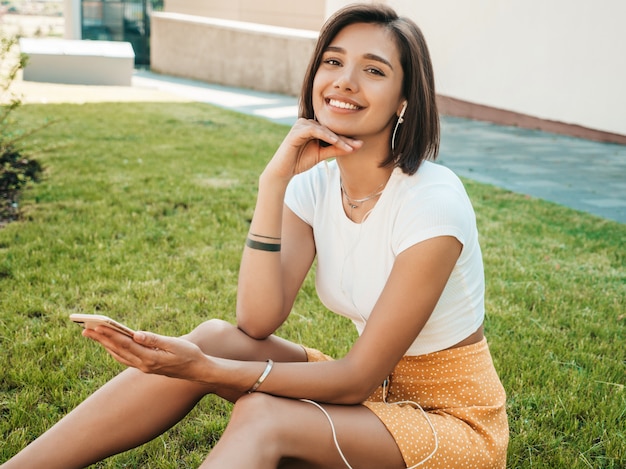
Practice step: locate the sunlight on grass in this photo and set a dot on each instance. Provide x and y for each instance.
(142, 215)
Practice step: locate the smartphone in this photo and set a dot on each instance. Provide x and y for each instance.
(91, 321)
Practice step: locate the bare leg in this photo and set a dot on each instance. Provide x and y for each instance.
(270, 432)
(134, 407)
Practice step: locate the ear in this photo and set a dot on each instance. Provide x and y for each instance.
(403, 110)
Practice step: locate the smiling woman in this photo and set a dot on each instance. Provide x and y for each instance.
(395, 242)
(357, 90)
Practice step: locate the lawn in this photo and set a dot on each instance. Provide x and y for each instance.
(142, 215)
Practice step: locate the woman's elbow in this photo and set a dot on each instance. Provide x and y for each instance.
(359, 396)
(259, 320)
(253, 329)
(353, 394)
(258, 324)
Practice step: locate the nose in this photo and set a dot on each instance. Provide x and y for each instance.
(345, 80)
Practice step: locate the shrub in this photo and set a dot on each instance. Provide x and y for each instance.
(15, 172)
(16, 169)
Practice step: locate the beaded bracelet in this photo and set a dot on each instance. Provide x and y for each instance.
(266, 372)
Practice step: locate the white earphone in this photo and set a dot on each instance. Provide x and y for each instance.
(401, 116)
(395, 129)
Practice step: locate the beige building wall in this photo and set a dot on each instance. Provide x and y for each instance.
(559, 63)
(258, 44)
(299, 14)
(232, 53)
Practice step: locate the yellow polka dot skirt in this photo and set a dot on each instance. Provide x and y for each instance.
(456, 414)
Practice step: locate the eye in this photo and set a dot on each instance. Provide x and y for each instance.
(375, 71)
(331, 61)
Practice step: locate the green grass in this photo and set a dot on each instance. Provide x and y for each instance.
(142, 216)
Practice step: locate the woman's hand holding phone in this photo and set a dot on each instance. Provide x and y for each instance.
(146, 351)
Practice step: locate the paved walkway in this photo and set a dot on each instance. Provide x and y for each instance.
(584, 175)
(581, 174)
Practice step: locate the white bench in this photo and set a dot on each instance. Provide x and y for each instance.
(78, 62)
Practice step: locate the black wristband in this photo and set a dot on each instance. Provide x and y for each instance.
(258, 245)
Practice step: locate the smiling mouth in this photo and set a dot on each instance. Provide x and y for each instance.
(343, 105)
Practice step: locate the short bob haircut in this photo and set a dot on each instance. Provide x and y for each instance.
(417, 138)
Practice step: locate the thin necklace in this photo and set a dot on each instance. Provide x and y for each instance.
(357, 203)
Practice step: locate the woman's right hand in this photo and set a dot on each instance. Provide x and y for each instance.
(307, 143)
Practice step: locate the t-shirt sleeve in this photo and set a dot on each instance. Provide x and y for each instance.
(436, 210)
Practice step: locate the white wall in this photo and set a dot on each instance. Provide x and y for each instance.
(71, 15)
(561, 60)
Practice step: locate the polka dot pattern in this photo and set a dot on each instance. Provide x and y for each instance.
(464, 400)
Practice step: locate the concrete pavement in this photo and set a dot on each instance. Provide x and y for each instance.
(580, 174)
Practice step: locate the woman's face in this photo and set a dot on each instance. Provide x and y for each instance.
(357, 90)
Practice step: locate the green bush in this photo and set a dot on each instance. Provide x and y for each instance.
(15, 172)
(16, 169)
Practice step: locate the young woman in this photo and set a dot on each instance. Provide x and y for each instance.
(397, 252)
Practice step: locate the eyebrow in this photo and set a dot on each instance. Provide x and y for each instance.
(369, 56)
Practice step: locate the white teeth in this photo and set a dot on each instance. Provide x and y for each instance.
(342, 105)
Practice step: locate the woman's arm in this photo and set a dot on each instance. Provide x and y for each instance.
(398, 317)
(269, 280)
(411, 293)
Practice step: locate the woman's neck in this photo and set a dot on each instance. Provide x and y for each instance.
(361, 173)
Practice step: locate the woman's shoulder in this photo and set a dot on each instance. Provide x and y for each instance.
(431, 176)
(434, 188)
(431, 202)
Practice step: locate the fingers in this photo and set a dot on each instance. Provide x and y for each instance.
(120, 358)
(307, 143)
(313, 130)
(148, 339)
(128, 351)
(342, 143)
(148, 352)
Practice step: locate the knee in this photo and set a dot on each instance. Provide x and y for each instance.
(210, 333)
(259, 413)
(258, 419)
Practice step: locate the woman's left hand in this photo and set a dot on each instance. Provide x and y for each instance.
(152, 353)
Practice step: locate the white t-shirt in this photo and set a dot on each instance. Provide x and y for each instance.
(354, 260)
